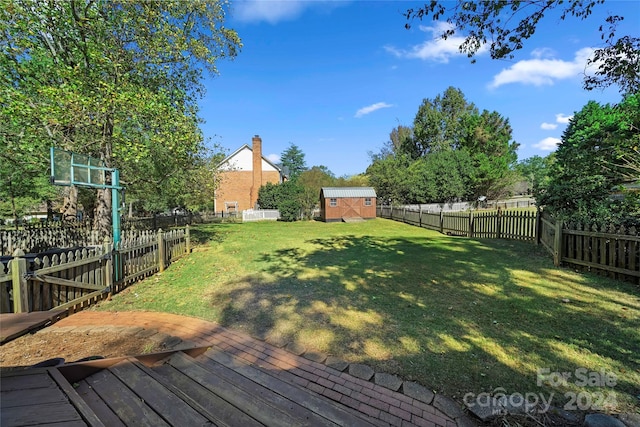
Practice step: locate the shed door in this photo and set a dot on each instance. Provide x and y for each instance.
(351, 207)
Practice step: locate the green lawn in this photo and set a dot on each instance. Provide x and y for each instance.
(455, 314)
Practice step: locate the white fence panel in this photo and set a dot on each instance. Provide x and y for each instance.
(260, 215)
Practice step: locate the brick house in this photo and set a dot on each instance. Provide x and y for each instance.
(243, 173)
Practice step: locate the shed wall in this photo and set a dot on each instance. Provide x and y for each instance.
(347, 207)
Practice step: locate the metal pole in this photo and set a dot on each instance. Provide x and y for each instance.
(115, 207)
(115, 221)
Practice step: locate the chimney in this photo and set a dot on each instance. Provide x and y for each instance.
(257, 169)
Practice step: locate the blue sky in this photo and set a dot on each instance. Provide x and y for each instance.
(335, 77)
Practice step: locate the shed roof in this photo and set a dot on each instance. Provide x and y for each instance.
(337, 192)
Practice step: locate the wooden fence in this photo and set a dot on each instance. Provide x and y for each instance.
(40, 237)
(46, 236)
(611, 251)
(614, 252)
(517, 225)
(74, 279)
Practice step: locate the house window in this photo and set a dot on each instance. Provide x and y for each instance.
(367, 201)
(333, 202)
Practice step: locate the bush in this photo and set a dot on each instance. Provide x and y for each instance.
(289, 210)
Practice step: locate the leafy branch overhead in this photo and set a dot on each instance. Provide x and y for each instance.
(503, 27)
(117, 80)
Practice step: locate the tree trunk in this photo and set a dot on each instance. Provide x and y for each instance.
(102, 217)
(70, 208)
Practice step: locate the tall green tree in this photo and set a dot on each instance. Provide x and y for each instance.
(292, 161)
(590, 167)
(311, 181)
(389, 176)
(441, 177)
(441, 123)
(504, 27)
(450, 122)
(117, 80)
(489, 141)
(535, 171)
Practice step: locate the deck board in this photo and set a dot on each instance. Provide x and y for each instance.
(124, 402)
(259, 402)
(13, 325)
(312, 402)
(37, 414)
(97, 405)
(174, 410)
(212, 406)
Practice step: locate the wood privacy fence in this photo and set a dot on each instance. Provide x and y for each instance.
(517, 225)
(614, 252)
(74, 279)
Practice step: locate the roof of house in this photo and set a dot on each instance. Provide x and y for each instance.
(337, 192)
(235, 153)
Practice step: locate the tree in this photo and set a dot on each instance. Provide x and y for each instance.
(440, 124)
(389, 176)
(441, 177)
(505, 25)
(450, 122)
(590, 166)
(312, 181)
(493, 153)
(284, 197)
(292, 161)
(116, 80)
(535, 171)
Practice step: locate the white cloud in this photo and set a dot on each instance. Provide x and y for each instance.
(561, 118)
(270, 11)
(543, 70)
(371, 108)
(543, 52)
(548, 126)
(548, 144)
(273, 158)
(435, 48)
(274, 11)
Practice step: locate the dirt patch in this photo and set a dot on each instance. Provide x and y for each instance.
(50, 343)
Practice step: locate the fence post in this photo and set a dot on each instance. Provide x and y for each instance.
(499, 224)
(470, 232)
(557, 244)
(187, 239)
(108, 267)
(18, 274)
(161, 250)
(538, 226)
(441, 222)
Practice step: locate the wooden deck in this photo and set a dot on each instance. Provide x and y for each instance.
(216, 376)
(201, 386)
(13, 325)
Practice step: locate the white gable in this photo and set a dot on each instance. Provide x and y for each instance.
(242, 160)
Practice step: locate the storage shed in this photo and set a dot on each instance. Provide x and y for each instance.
(347, 203)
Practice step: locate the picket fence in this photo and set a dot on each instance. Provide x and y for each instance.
(74, 279)
(610, 251)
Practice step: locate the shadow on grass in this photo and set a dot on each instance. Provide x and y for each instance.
(457, 315)
(202, 234)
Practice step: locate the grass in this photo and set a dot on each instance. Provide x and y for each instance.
(455, 314)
